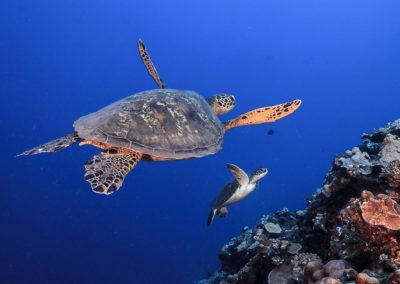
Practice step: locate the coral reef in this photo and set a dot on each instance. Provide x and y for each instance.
(349, 232)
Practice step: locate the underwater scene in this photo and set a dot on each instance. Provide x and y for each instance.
(200, 142)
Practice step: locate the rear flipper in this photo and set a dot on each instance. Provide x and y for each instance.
(222, 212)
(106, 171)
(53, 146)
(211, 217)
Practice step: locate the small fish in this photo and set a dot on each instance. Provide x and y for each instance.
(271, 132)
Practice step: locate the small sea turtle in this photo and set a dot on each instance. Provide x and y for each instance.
(155, 125)
(234, 191)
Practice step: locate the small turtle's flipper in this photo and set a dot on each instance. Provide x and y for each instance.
(149, 64)
(263, 115)
(54, 145)
(106, 171)
(241, 177)
(211, 216)
(222, 212)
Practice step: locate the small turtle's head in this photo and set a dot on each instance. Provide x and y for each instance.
(258, 174)
(221, 103)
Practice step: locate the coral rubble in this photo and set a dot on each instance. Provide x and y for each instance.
(349, 232)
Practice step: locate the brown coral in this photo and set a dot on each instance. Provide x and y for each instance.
(390, 160)
(330, 273)
(395, 277)
(330, 280)
(281, 274)
(313, 272)
(380, 210)
(392, 173)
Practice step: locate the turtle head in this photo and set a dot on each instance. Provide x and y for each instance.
(258, 174)
(221, 103)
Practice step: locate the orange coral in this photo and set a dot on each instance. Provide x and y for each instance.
(375, 219)
(363, 278)
(380, 210)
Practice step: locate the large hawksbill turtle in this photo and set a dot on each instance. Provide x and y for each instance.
(155, 125)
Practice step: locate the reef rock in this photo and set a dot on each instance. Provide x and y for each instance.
(364, 278)
(349, 232)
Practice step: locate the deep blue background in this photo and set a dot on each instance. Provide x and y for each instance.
(64, 59)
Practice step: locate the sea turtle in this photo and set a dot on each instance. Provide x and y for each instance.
(155, 125)
(235, 190)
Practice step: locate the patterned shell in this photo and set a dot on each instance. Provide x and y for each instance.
(164, 123)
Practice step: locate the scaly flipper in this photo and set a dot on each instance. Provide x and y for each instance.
(222, 212)
(106, 171)
(263, 115)
(53, 146)
(149, 64)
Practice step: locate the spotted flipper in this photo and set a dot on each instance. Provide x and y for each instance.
(263, 115)
(149, 64)
(106, 171)
(53, 146)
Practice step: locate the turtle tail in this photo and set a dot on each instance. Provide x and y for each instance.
(53, 146)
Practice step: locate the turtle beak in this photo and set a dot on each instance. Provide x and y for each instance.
(262, 173)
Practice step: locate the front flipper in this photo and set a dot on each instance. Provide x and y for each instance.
(241, 177)
(263, 115)
(149, 64)
(106, 171)
(53, 146)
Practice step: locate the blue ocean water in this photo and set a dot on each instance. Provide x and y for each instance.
(63, 59)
